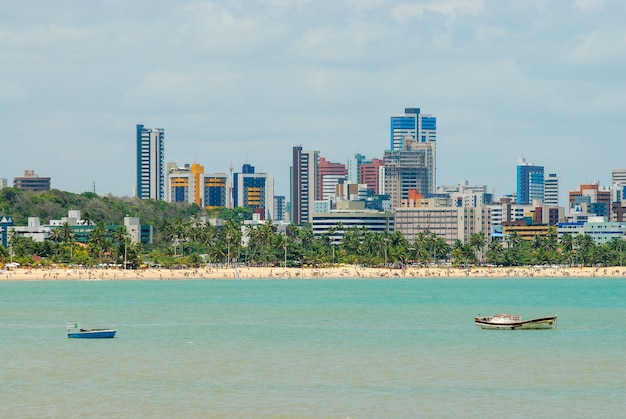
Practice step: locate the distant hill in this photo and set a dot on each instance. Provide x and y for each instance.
(54, 204)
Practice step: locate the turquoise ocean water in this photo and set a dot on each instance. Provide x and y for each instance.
(313, 349)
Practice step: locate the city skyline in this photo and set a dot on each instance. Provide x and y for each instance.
(234, 84)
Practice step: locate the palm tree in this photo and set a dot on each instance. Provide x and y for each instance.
(495, 252)
(98, 242)
(441, 248)
(551, 239)
(55, 235)
(66, 233)
(87, 218)
(181, 232)
(207, 236)
(282, 242)
(477, 242)
(462, 253)
(618, 246)
(123, 240)
(567, 247)
(514, 240)
(422, 245)
(399, 247)
(584, 247)
(231, 236)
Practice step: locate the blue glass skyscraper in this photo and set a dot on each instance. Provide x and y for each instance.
(421, 127)
(530, 182)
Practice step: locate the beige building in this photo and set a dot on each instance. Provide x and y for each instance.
(32, 182)
(410, 169)
(448, 222)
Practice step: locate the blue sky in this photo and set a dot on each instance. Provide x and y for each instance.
(244, 81)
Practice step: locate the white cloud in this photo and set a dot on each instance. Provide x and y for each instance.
(450, 9)
(230, 79)
(599, 47)
(589, 5)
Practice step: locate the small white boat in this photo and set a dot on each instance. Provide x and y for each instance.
(75, 331)
(514, 322)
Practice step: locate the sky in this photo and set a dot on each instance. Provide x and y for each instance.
(236, 82)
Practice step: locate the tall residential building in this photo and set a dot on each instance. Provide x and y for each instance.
(31, 182)
(303, 184)
(329, 174)
(409, 170)
(150, 163)
(185, 184)
(530, 182)
(369, 174)
(279, 208)
(618, 176)
(353, 167)
(551, 190)
(178, 183)
(254, 190)
(591, 199)
(215, 190)
(466, 195)
(618, 194)
(366, 171)
(421, 127)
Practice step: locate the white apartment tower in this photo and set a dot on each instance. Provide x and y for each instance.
(150, 163)
(551, 190)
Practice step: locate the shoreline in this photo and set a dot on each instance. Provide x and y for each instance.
(346, 272)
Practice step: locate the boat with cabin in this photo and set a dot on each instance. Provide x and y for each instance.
(74, 330)
(514, 322)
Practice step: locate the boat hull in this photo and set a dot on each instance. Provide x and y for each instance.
(92, 334)
(534, 324)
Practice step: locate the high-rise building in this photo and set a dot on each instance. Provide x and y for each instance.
(279, 207)
(592, 199)
(178, 183)
(366, 171)
(185, 184)
(303, 185)
(150, 163)
(215, 190)
(530, 182)
(618, 195)
(32, 182)
(420, 127)
(369, 174)
(618, 176)
(551, 190)
(353, 167)
(410, 169)
(254, 190)
(329, 174)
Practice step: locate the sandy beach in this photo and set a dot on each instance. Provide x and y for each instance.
(86, 274)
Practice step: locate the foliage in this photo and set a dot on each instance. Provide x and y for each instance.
(182, 238)
(54, 204)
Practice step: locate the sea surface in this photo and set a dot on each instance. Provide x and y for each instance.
(326, 348)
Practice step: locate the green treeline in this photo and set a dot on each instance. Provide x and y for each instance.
(181, 238)
(54, 204)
